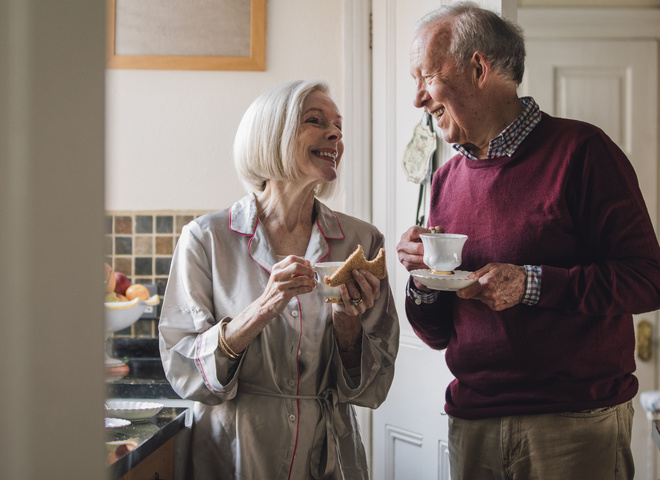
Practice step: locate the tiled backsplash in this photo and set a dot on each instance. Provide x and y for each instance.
(140, 244)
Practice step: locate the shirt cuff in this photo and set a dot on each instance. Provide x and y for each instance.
(532, 285)
(419, 296)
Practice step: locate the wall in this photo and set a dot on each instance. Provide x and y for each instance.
(51, 208)
(169, 133)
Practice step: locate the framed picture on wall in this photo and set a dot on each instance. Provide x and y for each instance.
(187, 35)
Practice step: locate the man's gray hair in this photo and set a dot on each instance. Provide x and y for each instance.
(265, 142)
(475, 28)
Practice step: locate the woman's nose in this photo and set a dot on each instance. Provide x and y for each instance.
(335, 133)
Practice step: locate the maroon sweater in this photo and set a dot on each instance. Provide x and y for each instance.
(569, 201)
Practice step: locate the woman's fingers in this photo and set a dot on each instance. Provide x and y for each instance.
(361, 294)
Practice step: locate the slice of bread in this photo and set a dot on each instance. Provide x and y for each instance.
(354, 262)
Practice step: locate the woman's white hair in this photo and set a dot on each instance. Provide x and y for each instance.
(265, 142)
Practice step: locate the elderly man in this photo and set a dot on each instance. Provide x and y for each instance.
(563, 250)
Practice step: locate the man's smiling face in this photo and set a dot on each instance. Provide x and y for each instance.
(442, 89)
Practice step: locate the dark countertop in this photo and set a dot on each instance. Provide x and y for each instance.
(655, 432)
(150, 435)
(128, 387)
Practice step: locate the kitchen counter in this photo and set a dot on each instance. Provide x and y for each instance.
(655, 432)
(150, 435)
(148, 388)
(146, 378)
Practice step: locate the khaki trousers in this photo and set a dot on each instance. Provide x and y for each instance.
(589, 445)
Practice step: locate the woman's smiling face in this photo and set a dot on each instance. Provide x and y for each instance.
(319, 144)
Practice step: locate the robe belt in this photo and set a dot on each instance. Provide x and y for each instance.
(329, 430)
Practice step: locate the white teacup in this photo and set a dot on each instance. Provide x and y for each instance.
(321, 270)
(442, 251)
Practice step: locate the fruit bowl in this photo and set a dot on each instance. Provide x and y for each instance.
(119, 315)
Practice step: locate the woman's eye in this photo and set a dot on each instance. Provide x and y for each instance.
(313, 120)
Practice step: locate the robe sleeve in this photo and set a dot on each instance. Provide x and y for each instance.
(380, 344)
(188, 328)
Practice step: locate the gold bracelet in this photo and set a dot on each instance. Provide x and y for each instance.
(224, 346)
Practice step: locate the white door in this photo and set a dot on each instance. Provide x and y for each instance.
(409, 431)
(612, 84)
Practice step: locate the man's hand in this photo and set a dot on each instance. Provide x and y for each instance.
(411, 252)
(498, 285)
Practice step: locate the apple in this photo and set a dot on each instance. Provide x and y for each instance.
(123, 449)
(111, 297)
(110, 281)
(122, 283)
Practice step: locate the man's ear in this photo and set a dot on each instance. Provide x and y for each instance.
(481, 68)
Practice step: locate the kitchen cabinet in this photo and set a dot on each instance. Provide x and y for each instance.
(155, 452)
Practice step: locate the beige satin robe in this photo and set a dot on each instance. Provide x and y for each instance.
(284, 410)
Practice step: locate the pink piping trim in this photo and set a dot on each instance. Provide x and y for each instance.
(241, 233)
(251, 235)
(343, 235)
(201, 367)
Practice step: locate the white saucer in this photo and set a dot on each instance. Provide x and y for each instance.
(447, 283)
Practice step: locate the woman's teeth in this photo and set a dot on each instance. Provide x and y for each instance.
(326, 154)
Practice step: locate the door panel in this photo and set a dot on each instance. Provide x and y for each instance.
(409, 431)
(612, 84)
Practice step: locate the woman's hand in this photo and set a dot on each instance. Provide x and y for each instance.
(359, 295)
(290, 277)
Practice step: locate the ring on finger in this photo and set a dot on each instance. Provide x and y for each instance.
(356, 301)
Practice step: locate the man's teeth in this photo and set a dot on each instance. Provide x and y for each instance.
(438, 113)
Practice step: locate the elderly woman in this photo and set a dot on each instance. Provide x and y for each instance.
(273, 369)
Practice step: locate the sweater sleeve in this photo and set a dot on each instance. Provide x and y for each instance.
(432, 322)
(620, 272)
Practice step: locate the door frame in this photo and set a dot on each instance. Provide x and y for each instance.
(356, 176)
(539, 23)
(356, 179)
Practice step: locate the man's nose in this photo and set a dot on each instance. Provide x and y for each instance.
(421, 95)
